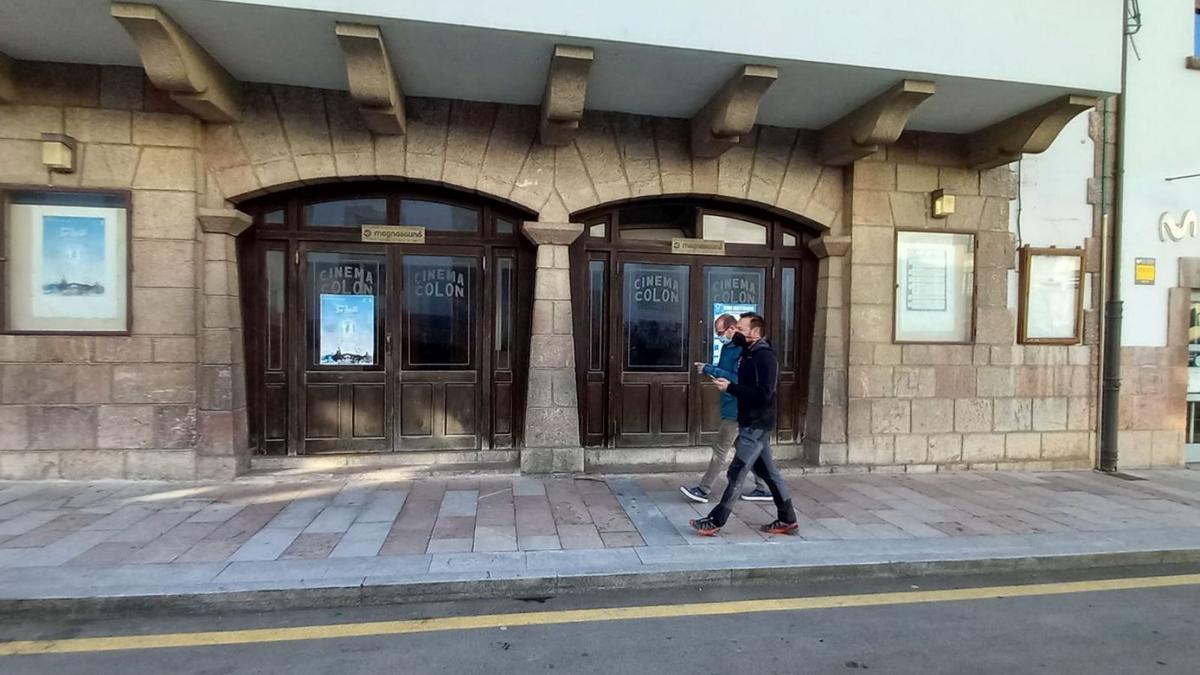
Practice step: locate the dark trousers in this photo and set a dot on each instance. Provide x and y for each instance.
(752, 452)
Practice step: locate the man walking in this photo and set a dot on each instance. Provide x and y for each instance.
(758, 373)
(725, 327)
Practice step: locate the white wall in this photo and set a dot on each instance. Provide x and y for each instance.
(1052, 202)
(1062, 42)
(1162, 139)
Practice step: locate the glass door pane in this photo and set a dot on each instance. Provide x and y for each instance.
(656, 317)
(346, 315)
(730, 291)
(439, 312)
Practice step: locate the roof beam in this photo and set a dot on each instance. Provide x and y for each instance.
(732, 111)
(1029, 132)
(8, 88)
(876, 123)
(566, 91)
(373, 83)
(178, 65)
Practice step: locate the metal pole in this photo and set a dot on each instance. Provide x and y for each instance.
(1110, 401)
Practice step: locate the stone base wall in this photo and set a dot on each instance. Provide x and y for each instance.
(98, 406)
(991, 404)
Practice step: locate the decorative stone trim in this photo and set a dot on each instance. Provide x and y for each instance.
(373, 83)
(561, 234)
(732, 111)
(826, 247)
(878, 122)
(175, 63)
(8, 90)
(566, 91)
(224, 221)
(1029, 132)
(1189, 273)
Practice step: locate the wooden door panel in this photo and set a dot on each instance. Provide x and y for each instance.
(635, 409)
(275, 412)
(416, 409)
(322, 411)
(595, 404)
(785, 410)
(673, 409)
(369, 403)
(502, 409)
(459, 407)
(710, 408)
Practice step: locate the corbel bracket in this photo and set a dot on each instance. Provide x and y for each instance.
(1029, 132)
(566, 91)
(876, 123)
(373, 83)
(178, 65)
(732, 111)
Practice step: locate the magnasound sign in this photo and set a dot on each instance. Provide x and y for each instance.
(393, 234)
(697, 246)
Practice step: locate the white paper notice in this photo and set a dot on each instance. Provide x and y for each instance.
(926, 291)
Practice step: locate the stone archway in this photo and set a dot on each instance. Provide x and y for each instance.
(290, 136)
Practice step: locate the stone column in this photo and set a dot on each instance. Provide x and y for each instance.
(223, 447)
(551, 407)
(825, 426)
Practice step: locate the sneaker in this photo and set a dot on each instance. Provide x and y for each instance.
(780, 527)
(694, 493)
(705, 527)
(758, 495)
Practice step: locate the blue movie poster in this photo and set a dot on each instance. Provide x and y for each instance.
(733, 310)
(73, 256)
(347, 330)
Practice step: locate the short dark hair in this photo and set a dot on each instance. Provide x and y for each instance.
(724, 320)
(756, 321)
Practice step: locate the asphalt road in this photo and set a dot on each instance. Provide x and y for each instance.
(1067, 623)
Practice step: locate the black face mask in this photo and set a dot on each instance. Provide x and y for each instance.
(739, 340)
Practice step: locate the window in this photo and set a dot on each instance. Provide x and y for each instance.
(347, 213)
(656, 317)
(730, 291)
(599, 231)
(439, 311)
(787, 319)
(505, 226)
(276, 308)
(438, 216)
(273, 218)
(505, 310)
(66, 262)
(659, 222)
(345, 311)
(734, 230)
(789, 240)
(596, 321)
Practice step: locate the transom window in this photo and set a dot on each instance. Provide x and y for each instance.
(664, 221)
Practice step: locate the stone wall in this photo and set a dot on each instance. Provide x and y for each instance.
(991, 404)
(291, 136)
(106, 406)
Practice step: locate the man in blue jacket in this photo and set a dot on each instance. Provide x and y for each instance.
(725, 326)
(758, 375)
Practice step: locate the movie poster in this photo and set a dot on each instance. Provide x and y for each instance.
(733, 310)
(347, 330)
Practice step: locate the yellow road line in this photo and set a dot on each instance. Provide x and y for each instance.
(378, 628)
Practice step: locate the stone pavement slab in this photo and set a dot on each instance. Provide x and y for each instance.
(106, 540)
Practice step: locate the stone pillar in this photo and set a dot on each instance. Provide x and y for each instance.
(825, 426)
(551, 406)
(223, 447)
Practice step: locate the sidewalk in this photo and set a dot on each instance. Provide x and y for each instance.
(295, 542)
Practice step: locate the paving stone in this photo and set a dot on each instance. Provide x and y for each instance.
(459, 503)
(333, 519)
(362, 539)
(268, 544)
(383, 506)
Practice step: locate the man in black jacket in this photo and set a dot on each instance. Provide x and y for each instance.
(758, 373)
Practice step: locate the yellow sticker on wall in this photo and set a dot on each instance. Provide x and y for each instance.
(1144, 271)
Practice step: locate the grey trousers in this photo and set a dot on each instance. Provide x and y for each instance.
(752, 454)
(721, 447)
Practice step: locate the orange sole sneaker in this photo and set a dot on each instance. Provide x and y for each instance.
(781, 528)
(704, 529)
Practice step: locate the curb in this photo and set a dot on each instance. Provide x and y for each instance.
(346, 595)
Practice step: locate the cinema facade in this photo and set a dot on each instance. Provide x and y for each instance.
(426, 240)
